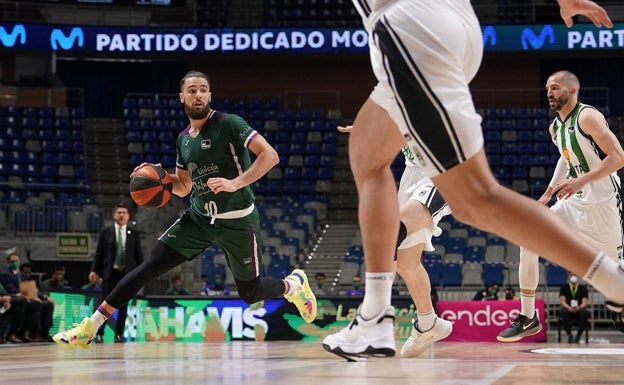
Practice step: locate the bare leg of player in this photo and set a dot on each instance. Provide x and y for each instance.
(427, 328)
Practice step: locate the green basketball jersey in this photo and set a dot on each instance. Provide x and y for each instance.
(582, 154)
(218, 151)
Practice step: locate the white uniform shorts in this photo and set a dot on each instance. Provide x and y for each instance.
(599, 224)
(414, 187)
(424, 53)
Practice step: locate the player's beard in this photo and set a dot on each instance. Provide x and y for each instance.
(196, 113)
(559, 102)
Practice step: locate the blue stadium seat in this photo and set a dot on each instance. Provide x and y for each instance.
(297, 148)
(278, 269)
(95, 221)
(434, 269)
(356, 250)
(524, 147)
(526, 159)
(274, 186)
(519, 172)
(502, 172)
(542, 160)
(298, 136)
(510, 159)
(493, 272)
(283, 149)
(282, 137)
(291, 186)
(494, 160)
(509, 148)
(508, 123)
(57, 218)
(543, 147)
(455, 245)
(21, 220)
(451, 274)
(492, 148)
(292, 173)
(313, 148)
(211, 270)
(540, 112)
(328, 148)
(162, 125)
(325, 173)
(46, 112)
(556, 275)
(429, 256)
(311, 160)
(48, 145)
(307, 186)
(309, 173)
(65, 158)
(524, 124)
(492, 125)
(327, 161)
(474, 254)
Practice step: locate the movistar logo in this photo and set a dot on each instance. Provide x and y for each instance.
(530, 40)
(9, 39)
(489, 34)
(59, 39)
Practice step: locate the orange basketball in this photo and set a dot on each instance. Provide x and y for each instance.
(151, 186)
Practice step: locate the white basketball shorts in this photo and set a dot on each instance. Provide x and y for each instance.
(599, 224)
(424, 53)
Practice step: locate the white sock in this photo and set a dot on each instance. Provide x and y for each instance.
(377, 294)
(426, 320)
(98, 319)
(607, 276)
(292, 282)
(528, 304)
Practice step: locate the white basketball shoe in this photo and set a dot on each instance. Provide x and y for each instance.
(364, 338)
(419, 341)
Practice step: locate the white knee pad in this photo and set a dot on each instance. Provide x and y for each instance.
(418, 237)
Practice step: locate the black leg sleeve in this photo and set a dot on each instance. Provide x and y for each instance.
(162, 259)
(260, 289)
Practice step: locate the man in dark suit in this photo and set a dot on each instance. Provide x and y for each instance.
(118, 252)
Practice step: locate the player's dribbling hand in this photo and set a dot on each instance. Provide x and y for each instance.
(594, 12)
(143, 165)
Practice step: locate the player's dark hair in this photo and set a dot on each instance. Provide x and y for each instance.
(194, 74)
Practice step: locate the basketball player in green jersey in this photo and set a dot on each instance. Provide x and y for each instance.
(213, 164)
(585, 183)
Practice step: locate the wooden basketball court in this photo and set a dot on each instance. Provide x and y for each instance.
(306, 363)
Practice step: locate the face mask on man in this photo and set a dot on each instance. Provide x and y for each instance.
(573, 279)
(356, 285)
(218, 282)
(15, 265)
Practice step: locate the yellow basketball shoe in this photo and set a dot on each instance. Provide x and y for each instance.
(302, 298)
(81, 335)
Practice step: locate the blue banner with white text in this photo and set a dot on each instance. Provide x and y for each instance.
(115, 40)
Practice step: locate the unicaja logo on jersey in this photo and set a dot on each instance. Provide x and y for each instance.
(10, 39)
(489, 36)
(530, 40)
(58, 39)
